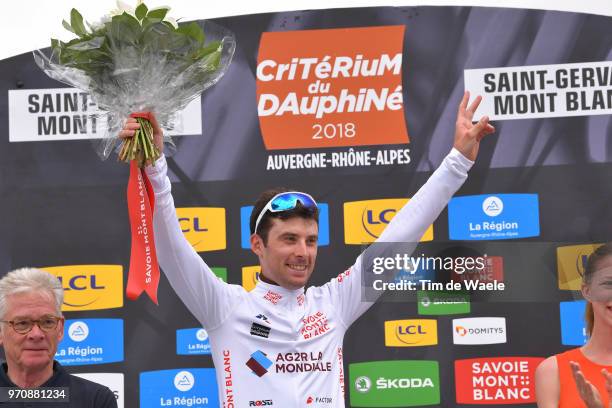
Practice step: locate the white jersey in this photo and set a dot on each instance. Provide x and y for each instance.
(273, 346)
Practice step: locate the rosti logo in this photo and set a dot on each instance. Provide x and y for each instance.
(260, 403)
(330, 88)
(90, 287)
(364, 221)
(571, 261)
(250, 275)
(204, 227)
(492, 381)
(411, 333)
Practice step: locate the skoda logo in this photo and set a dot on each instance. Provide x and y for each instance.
(492, 206)
(201, 335)
(184, 381)
(78, 331)
(363, 384)
(425, 301)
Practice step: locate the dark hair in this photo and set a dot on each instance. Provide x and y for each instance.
(266, 220)
(589, 271)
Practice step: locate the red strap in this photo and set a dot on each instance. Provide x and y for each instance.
(144, 269)
(144, 115)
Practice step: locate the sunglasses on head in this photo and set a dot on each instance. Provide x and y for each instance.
(285, 202)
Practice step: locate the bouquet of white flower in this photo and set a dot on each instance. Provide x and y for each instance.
(139, 60)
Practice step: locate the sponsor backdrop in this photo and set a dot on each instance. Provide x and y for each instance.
(357, 107)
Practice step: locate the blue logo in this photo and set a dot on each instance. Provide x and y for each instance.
(573, 326)
(189, 387)
(245, 230)
(91, 341)
(490, 217)
(424, 272)
(192, 341)
(259, 363)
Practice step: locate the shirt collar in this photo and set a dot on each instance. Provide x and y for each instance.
(58, 370)
(279, 296)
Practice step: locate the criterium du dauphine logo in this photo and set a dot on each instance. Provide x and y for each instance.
(78, 331)
(184, 381)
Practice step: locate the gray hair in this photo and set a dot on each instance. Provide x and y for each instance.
(28, 280)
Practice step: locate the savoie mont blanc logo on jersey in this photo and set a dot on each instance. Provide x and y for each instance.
(203, 227)
(183, 387)
(245, 230)
(573, 326)
(490, 217)
(331, 88)
(364, 221)
(571, 263)
(192, 341)
(114, 382)
(479, 330)
(90, 287)
(496, 381)
(400, 383)
(91, 341)
(411, 333)
(431, 302)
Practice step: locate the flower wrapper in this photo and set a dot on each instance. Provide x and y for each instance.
(132, 64)
(135, 63)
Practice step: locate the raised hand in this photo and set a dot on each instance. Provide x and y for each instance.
(588, 392)
(130, 126)
(467, 134)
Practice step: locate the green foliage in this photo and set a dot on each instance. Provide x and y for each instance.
(94, 51)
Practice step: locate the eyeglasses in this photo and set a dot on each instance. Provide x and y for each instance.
(285, 202)
(24, 326)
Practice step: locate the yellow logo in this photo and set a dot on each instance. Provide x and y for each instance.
(249, 277)
(571, 261)
(203, 227)
(364, 221)
(411, 333)
(90, 287)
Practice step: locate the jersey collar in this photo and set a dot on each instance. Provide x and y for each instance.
(279, 296)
